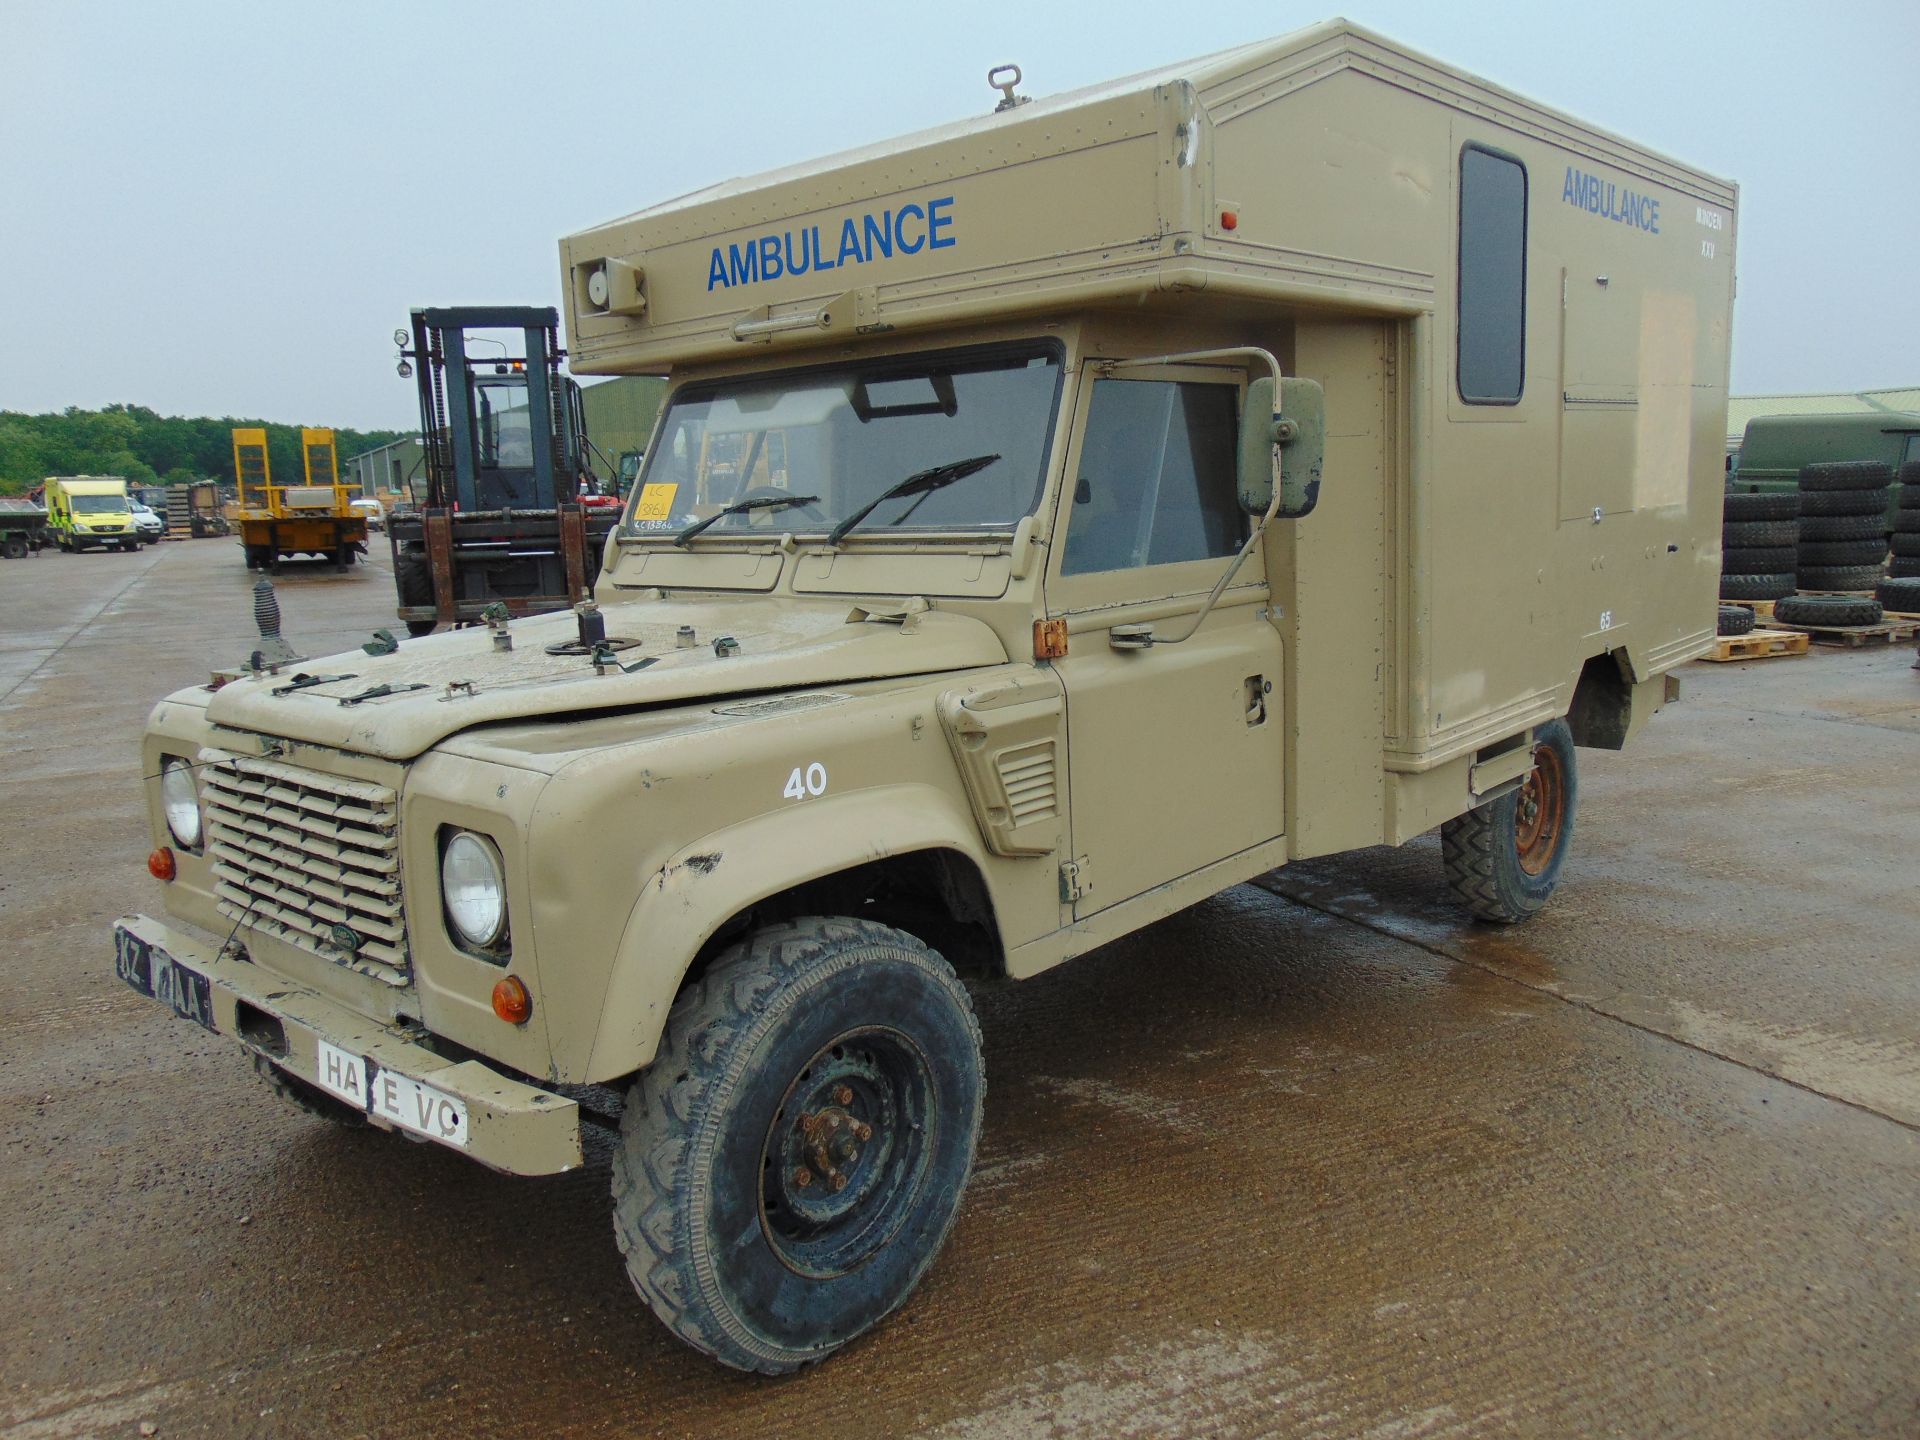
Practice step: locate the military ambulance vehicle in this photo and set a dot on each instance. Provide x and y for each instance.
(1055, 518)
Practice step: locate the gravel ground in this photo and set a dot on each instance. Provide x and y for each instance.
(1316, 1157)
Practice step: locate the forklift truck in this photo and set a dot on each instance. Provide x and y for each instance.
(502, 521)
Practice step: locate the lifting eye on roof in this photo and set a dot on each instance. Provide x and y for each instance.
(1007, 98)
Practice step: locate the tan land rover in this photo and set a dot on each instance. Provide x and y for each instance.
(1057, 517)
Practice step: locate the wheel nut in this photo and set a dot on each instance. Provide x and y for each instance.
(862, 1130)
(803, 1177)
(839, 1182)
(843, 1095)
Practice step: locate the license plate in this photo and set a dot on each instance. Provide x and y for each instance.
(156, 973)
(411, 1104)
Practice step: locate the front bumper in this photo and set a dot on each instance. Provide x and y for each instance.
(509, 1125)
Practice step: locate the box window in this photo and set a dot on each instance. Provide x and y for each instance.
(1491, 363)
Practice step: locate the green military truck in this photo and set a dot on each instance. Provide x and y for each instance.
(1775, 448)
(1055, 518)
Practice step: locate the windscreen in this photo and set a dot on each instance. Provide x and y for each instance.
(99, 504)
(503, 430)
(846, 435)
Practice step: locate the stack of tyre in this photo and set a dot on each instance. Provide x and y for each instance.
(1758, 539)
(1902, 591)
(1843, 527)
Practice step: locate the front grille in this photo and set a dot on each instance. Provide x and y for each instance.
(297, 854)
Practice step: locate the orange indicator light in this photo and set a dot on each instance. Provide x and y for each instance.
(160, 864)
(511, 1002)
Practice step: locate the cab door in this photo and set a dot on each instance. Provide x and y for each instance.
(1175, 750)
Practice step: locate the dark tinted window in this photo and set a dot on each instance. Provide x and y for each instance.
(1493, 277)
(1156, 481)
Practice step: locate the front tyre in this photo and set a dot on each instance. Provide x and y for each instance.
(793, 1159)
(1503, 859)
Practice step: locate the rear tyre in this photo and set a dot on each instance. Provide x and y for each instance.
(793, 1159)
(308, 1098)
(1904, 567)
(16, 547)
(1503, 859)
(1735, 620)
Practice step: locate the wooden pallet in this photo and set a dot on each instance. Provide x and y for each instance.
(1759, 644)
(1887, 632)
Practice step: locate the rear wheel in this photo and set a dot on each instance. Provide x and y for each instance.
(792, 1161)
(1503, 859)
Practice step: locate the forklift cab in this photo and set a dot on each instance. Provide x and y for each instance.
(507, 433)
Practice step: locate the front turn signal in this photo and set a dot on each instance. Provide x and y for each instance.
(511, 1002)
(160, 864)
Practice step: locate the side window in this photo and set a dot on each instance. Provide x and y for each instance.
(1493, 277)
(1156, 478)
(1912, 451)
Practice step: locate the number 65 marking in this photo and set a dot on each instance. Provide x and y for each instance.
(813, 781)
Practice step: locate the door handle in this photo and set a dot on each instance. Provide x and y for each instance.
(1258, 688)
(1131, 637)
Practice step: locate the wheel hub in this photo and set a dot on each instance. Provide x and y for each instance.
(832, 1138)
(844, 1152)
(1540, 811)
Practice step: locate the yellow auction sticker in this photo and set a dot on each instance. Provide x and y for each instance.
(655, 503)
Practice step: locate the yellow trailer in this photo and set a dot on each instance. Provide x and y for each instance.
(312, 518)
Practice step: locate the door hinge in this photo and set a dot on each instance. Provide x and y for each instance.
(1074, 881)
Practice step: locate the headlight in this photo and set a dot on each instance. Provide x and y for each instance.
(182, 805)
(474, 887)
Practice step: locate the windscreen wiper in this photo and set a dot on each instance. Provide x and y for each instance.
(741, 507)
(921, 482)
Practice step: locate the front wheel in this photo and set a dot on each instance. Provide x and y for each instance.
(1504, 858)
(793, 1159)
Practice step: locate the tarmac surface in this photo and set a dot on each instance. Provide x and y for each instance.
(1317, 1157)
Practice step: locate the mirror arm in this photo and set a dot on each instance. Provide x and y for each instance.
(1195, 357)
(1226, 579)
(1232, 352)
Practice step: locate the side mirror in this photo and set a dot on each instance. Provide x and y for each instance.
(1284, 445)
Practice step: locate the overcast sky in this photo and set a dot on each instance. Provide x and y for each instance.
(228, 208)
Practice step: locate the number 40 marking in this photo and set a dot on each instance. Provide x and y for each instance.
(813, 781)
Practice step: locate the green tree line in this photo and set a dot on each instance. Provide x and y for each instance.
(148, 448)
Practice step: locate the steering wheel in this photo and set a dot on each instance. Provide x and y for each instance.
(772, 492)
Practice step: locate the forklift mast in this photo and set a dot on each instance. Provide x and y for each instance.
(499, 433)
